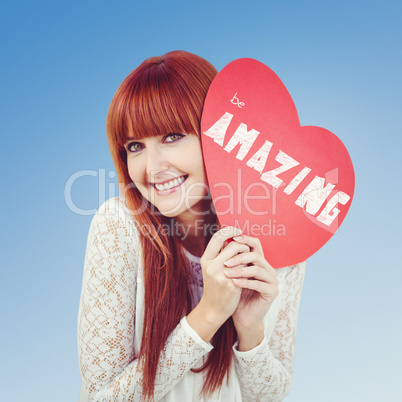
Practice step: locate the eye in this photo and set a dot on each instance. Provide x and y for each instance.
(173, 137)
(133, 147)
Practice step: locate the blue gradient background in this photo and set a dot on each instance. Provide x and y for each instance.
(60, 65)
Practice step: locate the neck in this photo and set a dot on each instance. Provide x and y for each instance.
(196, 230)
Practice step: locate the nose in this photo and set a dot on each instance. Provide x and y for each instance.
(157, 162)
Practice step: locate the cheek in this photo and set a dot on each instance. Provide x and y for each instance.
(135, 171)
(131, 173)
(137, 177)
(199, 185)
(196, 164)
(203, 175)
(203, 178)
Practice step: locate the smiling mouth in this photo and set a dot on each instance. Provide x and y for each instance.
(170, 184)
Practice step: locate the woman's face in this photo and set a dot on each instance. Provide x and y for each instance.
(168, 171)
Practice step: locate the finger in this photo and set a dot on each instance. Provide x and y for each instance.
(263, 288)
(253, 242)
(218, 239)
(252, 271)
(247, 258)
(231, 250)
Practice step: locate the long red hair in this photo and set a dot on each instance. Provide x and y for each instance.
(163, 95)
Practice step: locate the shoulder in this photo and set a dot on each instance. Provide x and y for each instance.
(114, 220)
(115, 210)
(292, 275)
(115, 207)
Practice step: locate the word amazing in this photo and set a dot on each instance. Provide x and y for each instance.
(313, 194)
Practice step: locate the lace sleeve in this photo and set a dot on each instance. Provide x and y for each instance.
(265, 372)
(106, 322)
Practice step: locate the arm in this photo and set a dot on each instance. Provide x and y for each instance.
(106, 323)
(265, 372)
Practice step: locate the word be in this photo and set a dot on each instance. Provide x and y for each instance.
(236, 101)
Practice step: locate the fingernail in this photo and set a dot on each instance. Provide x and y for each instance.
(236, 238)
(228, 263)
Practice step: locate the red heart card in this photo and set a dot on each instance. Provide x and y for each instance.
(288, 185)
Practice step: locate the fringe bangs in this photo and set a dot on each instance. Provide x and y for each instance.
(157, 104)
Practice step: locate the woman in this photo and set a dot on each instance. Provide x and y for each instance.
(171, 309)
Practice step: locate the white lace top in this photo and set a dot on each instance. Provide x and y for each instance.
(111, 318)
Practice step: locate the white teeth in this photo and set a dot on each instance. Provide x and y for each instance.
(170, 184)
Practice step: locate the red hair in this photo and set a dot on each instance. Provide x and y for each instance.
(163, 95)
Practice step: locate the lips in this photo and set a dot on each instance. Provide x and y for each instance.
(168, 185)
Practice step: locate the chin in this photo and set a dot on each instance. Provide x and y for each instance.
(171, 213)
(198, 208)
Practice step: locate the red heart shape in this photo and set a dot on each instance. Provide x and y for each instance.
(288, 185)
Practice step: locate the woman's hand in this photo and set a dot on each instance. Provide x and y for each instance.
(252, 273)
(221, 296)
